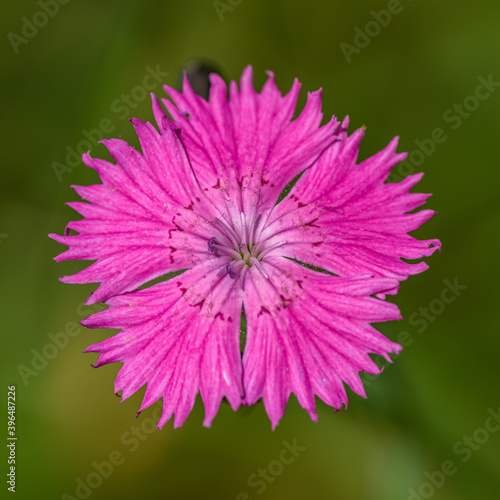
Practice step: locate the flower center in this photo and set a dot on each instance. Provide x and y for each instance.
(240, 242)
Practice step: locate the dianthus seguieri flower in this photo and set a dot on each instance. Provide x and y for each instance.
(309, 270)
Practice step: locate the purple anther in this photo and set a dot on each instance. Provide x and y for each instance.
(230, 272)
(211, 243)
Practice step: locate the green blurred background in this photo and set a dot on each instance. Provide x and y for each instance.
(66, 79)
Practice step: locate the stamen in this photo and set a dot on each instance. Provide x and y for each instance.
(230, 272)
(253, 228)
(246, 253)
(228, 232)
(238, 265)
(243, 230)
(227, 251)
(239, 241)
(211, 243)
(263, 241)
(258, 265)
(269, 249)
(260, 228)
(242, 276)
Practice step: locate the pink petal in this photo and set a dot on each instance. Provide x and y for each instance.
(137, 226)
(343, 218)
(308, 332)
(175, 344)
(249, 142)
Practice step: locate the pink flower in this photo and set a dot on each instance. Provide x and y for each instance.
(203, 198)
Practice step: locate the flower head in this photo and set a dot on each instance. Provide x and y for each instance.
(203, 201)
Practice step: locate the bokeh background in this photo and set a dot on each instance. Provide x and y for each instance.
(65, 80)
